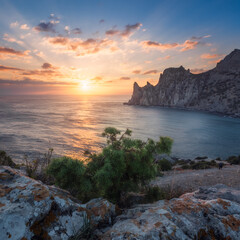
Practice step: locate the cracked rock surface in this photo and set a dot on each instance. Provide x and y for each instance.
(32, 210)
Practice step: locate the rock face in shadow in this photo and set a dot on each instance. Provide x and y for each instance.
(209, 213)
(32, 210)
(217, 90)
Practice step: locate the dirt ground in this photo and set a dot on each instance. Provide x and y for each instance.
(177, 182)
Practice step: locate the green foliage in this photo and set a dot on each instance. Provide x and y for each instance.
(6, 160)
(154, 194)
(124, 165)
(69, 174)
(234, 159)
(164, 165)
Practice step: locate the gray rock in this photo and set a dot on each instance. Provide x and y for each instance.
(209, 213)
(217, 90)
(159, 157)
(31, 210)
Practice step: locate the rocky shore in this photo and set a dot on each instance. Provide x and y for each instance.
(32, 210)
(216, 91)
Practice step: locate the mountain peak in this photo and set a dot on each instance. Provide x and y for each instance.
(230, 63)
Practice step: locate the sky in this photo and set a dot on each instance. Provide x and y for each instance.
(101, 47)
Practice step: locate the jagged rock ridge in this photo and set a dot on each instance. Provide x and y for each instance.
(217, 90)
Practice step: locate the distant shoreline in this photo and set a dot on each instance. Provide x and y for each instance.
(186, 109)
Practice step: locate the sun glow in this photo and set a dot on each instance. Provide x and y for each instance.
(84, 85)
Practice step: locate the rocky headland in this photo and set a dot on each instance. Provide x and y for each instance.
(217, 90)
(32, 210)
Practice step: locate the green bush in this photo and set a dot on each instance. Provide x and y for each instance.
(164, 165)
(6, 160)
(69, 174)
(124, 165)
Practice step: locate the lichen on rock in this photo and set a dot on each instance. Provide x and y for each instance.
(31, 210)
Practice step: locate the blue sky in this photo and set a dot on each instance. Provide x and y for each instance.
(144, 36)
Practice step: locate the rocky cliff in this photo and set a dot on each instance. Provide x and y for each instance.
(217, 90)
(207, 214)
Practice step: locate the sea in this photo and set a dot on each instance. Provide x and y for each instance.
(30, 125)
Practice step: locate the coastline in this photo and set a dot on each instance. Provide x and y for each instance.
(187, 109)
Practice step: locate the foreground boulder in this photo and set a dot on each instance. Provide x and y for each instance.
(31, 210)
(209, 213)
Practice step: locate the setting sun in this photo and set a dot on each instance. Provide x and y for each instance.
(84, 85)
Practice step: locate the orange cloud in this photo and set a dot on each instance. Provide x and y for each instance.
(124, 78)
(29, 81)
(97, 78)
(187, 45)
(7, 38)
(10, 52)
(161, 46)
(83, 47)
(210, 56)
(136, 71)
(150, 72)
(41, 73)
(6, 68)
(24, 27)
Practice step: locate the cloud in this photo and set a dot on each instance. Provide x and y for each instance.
(210, 56)
(24, 27)
(161, 46)
(98, 78)
(201, 37)
(34, 82)
(82, 47)
(47, 66)
(124, 78)
(59, 40)
(136, 71)
(7, 38)
(14, 24)
(150, 72)
(12, 52)
(6, 68)
(53, 17)
(112, 32)
(187, 45)
(44, 72)
(76, 31)
(128, 30)
(46, 27)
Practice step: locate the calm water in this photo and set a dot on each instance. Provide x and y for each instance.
(30, 125)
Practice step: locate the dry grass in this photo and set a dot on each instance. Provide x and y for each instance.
(177, 182)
